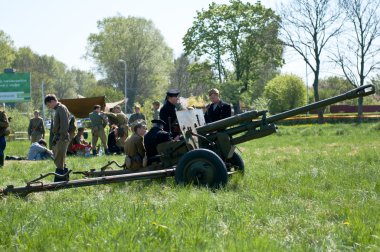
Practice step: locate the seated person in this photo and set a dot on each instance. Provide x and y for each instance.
(134, 148)
(113, 138)
(79, 144)
(154, 137)
(122, 133)
(38, 151)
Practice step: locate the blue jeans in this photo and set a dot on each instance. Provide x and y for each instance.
(3, 144)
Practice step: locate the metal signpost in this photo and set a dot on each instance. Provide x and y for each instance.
(14, 87)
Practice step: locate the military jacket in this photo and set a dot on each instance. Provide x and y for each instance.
(166, 112)
(154, 137)
(215, 113)
(36, 126)
(61, 122)
(134, 148)
(97, 120)
(136, 116)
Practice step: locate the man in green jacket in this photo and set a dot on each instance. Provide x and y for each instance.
(36, 129)
(61, 136)
(98, 122)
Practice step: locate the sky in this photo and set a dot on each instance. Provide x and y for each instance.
(60, 28)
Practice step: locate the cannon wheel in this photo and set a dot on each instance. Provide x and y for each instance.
(201, 167)
(237, 162)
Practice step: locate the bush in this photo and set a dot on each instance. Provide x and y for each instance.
(285, 92)
(20, 121)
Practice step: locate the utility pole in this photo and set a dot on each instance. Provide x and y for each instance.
(125, 84)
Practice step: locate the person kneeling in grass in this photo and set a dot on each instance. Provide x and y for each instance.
(38, 151)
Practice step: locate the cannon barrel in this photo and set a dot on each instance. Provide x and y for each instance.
(228, 122)
(354, 93)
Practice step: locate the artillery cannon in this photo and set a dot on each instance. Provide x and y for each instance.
(206, 155)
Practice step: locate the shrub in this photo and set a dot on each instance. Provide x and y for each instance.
(20, 121)
(285, 92)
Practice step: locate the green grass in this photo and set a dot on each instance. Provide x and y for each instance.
(306, 188)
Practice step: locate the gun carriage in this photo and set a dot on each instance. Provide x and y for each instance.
(206, 155)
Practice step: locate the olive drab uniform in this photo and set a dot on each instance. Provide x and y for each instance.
(112, 119)
(135, 150)
(119, 119)
(136, 116)
(36, 129)
(98, 122)
(4, 131)
(61, 137)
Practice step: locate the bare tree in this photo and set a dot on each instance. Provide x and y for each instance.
(307, 27)
(358, 52)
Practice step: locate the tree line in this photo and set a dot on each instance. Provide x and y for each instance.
(236, 47)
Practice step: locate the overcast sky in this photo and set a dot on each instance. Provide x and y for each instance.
(61, 27)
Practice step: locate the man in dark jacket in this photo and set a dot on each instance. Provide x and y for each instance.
(217, 109)
(168, 111)
(154, 137)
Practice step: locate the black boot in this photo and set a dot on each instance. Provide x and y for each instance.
(94, 152)
(1, 160)
(107, 152)
(66, 170)
(60, 172)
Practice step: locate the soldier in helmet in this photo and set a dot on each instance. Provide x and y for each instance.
(217, 109)
(168, 111)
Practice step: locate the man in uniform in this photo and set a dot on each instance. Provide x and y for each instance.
(156, 110)
(154, 137)
(134, 147)
(217, 109)
(136, 116)
(4, 131)
(36, 129)
(168, 111)
(117, 117)
(98, 122)
(61, 137)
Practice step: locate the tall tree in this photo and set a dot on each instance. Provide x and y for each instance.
(180, 76)
(192, 77)
(241, 35)
(359, 50)
(57, 78)
(332, 86)
(138, 42)
(307, 27)
(7, 51)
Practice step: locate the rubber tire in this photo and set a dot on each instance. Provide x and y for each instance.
(237, 161)
(201, 167)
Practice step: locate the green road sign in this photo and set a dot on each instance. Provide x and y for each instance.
(14, 87)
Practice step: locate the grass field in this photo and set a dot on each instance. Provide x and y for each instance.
(306, 188)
